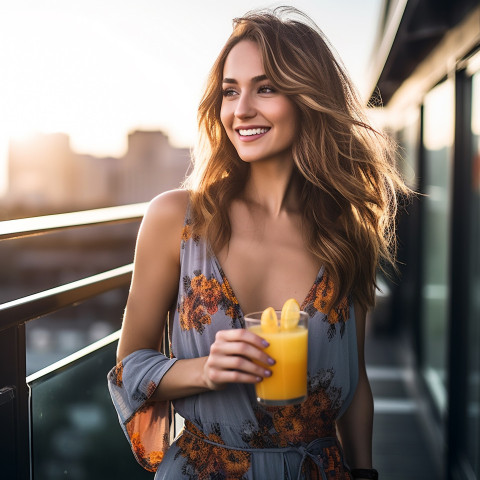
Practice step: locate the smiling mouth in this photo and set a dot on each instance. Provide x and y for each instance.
(252, 131)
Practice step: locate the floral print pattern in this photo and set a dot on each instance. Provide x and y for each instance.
(202, 298)
(145, 451)
(206, 458)
(207, 461)
(116, 375)
(294, 424)
(187, 234)
(315, 417)
(149, 461)
(276, 427)
(318, 300)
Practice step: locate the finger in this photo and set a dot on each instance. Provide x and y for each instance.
(239, 364)
(241, 349)
(241, 335)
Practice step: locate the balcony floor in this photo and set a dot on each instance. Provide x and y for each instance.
(406, 443)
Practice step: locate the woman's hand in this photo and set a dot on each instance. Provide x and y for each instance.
(236, 356)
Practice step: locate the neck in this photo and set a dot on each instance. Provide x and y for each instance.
(271, 189)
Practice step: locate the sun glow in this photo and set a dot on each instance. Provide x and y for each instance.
(72, 76)
(97, 70)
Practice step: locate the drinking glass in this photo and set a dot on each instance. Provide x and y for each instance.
(288, 347)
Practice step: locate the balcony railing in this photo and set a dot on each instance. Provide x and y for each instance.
(57, 423)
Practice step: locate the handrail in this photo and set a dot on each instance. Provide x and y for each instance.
(23, 227)
(20, 311)
(15, 451)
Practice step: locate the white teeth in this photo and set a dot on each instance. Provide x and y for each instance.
(253, 131)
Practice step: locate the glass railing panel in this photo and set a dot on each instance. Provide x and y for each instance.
(34, 264)
(75, 430)
(54, 336)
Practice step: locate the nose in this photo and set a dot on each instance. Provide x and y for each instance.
(245, 107)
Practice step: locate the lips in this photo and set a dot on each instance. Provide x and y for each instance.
(246, 132)
(251, 133)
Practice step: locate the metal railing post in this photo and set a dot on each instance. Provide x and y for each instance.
(14, 405)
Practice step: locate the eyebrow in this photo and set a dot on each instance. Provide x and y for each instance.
(258, 78)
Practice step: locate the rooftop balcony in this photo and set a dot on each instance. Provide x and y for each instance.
(58, 422)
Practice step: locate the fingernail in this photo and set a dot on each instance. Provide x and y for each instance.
(265, 343)
(259, 379)
(268, 373)
(271, 361)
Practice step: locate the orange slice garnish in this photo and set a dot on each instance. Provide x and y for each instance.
(290, 314)
(269, 321)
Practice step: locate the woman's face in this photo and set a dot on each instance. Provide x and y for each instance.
(259, 121)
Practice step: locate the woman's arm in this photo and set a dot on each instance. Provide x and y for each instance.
(231, 360)
(355, 426)
(154, 290)
(155, 274)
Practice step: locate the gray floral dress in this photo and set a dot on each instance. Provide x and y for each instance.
(227, 434)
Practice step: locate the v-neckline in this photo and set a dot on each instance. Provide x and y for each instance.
(241, 311)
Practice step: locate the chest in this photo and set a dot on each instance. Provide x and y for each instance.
(267, 264)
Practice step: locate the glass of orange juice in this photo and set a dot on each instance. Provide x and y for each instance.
(288, 347)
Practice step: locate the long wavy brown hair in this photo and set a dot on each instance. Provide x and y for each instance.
(344, 168)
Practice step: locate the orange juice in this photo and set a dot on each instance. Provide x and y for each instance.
(289, 377)
(288, 382)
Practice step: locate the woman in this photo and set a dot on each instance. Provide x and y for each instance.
(292, 195)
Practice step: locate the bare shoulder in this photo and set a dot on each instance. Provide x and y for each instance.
(162, 225)
(169, 205)
(167, 210)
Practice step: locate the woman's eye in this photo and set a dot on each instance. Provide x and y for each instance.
(266, 89)
(228, 92)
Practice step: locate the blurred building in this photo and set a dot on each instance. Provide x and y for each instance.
(41, 172)
(47, 176)
(150, 166)
(426, 69)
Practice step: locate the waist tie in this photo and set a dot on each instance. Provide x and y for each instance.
(283, 462)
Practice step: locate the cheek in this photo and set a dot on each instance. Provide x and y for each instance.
(226, 124)
(294, 118)
(289, 122)
(226, 121)
(225, 116)
(286, 112)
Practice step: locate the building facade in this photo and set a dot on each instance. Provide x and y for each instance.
(46, 176)
(426, 70)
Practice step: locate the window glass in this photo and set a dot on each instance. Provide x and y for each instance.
(409, 138)
(437, 145)
(473, 384)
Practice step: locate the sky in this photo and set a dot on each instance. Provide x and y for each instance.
(97, 69)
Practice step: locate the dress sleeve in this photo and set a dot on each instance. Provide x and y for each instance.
(146, 424)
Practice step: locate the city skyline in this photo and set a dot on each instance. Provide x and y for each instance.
(96, 71)
(47, 176)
